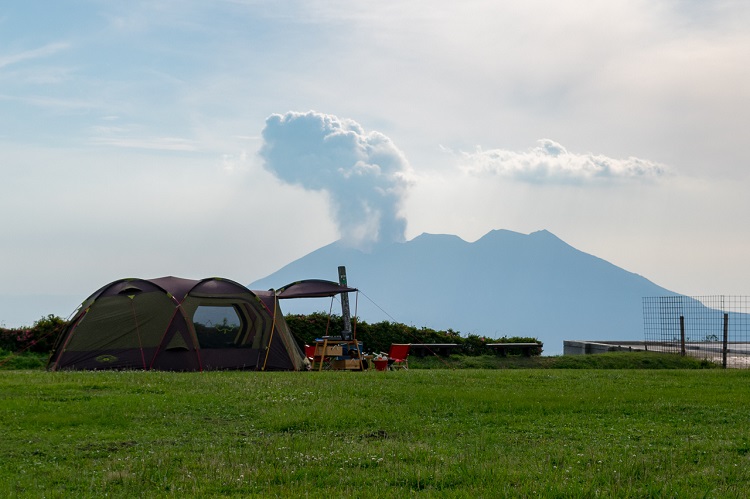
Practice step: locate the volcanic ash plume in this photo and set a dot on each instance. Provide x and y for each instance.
(364, 174)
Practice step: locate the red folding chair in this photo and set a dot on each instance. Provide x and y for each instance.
(398, 356)
(310, 352)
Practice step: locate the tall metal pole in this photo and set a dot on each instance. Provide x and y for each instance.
(726, 340)
(346, 334)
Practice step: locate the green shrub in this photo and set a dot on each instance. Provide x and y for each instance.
(26, 360)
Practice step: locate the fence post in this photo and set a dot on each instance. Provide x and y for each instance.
(682, 335)
(726, 341)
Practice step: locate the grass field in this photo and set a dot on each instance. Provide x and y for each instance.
(615, 360)
(442, 433)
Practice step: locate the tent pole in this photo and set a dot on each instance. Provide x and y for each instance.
(330, 311)
(138, 331)
(273, 329)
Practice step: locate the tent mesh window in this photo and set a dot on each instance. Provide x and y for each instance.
(218, 326)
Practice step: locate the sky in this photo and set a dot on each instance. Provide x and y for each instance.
(229, 138)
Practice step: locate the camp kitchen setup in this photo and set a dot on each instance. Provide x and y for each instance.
(339, 352)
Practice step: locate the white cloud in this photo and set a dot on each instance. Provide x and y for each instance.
(550, 162)
(45, 51)
(153, 143)
(51, 103)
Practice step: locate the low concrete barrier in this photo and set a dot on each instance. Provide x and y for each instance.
(584, 347)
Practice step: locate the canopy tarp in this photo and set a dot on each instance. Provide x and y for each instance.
(312, 288)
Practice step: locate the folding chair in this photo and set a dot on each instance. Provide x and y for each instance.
(323, 361)
(310, 353)
(398, 356)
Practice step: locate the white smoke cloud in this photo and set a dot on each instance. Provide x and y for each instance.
(364, 173)
(550, 162)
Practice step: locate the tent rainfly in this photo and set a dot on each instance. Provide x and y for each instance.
(176, 324)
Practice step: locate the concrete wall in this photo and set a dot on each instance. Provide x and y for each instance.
(579, 347)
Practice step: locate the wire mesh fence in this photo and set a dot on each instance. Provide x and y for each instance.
(715, 328)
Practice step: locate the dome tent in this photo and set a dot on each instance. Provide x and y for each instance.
(176, 324)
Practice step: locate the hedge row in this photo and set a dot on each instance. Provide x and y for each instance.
(377, 337)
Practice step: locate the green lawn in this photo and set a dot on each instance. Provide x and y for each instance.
(443, 433)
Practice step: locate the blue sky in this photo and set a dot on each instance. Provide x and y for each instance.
(229, 138)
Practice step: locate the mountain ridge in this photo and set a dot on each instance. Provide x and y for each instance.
(503, 284)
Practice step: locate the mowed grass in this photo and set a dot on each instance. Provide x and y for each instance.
(441, 433)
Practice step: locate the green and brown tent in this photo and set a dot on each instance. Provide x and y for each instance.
(178, 324)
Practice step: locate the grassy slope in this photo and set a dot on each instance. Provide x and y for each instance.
(452, 433)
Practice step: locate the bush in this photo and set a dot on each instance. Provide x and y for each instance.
(38, 338)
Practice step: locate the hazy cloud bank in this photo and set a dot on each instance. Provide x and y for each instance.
(550, 162)
(364, 174)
